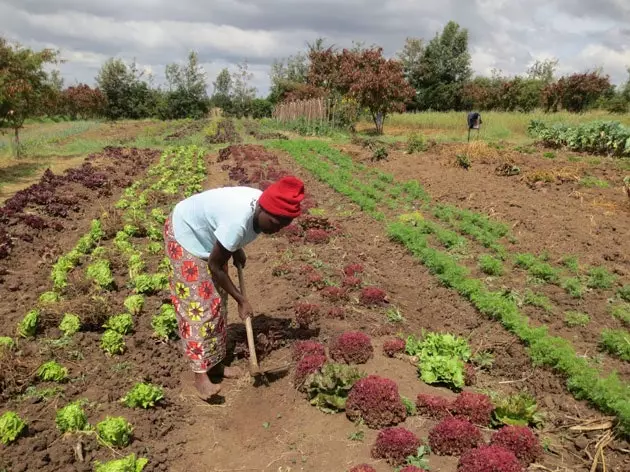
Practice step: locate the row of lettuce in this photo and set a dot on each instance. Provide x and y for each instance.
(143, 209)
(330, 166)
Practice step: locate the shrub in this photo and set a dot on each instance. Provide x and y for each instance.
(375, 400)
(373, 296)
(490, 265)
(70, 324)
(521, 441)
(306, 366)
(576, 318)
(11, 427)
(353, 347)
(134, 304)
(143, 395)
(306, 314)
(164, 323)
(51, 371)
(334, 294)
(416, 143)
(328, 388)
(307, 348)
(122, 323)
(475, 407)
(71, 418)
(616, 342)
(363, 468)
(126, 464)
(394, 346)
(28, 326)
(112, 342)
(115, 431)
(433, 406)
(453, 436)
(624, 293)
(317, 236)
(395, 445)
(489, 459)
(380, 153)
(351, 270)
(519, 409)
(600, 278)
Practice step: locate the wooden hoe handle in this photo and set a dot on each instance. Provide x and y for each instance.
(253, 362)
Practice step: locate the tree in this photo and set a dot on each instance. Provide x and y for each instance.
(82, 102)
(376, 83)
(444, 69)
(24, 84)
(242, 92)
(221, 95)
(543, 70)
(411, 57)
(187, 96)
(576, 92)
(286, 75)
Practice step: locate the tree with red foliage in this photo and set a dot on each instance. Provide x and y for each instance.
(83, 102)
(575, 92)
(376, 83)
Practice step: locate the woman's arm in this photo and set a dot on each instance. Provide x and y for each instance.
(217, 263)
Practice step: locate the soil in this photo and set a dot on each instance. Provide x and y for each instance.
(270, 427)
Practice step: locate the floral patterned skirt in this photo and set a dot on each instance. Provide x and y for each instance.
(201, 306)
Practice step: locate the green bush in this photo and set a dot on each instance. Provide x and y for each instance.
(576, 318)
(51, 371)
(624, 293)
(416, 143)
(11, 427)
(622, 312)
(490, 265)
(573, 286)
(616, 342)
(143, 395)
(115, 431)
(112, 342)
(70, 324)
(71, 417)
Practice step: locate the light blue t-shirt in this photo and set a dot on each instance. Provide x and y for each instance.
(224, 214)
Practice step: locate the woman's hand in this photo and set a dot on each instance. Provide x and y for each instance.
(239, 258)
(245, 310)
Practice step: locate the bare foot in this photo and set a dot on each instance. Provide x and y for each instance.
(221, 370)
(205, 388)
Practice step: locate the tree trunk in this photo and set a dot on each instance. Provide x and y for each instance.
(379, 119)
(17, 141)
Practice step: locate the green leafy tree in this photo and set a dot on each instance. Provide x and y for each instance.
(287, 75)
(444, 69)
(221, 96)
(187, 96)
(411, 56)
(243, 94)
(24, 85)
(543, 70)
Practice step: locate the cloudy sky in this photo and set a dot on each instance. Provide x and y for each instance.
(504, 34)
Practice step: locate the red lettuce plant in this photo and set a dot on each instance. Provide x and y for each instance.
(315, 280)
(453, 436)
(306, 366)
(489, 459)
(373, 296)
(395, 445)
(393, 346)
(306, 314)
(352, 347)
(351, 270)
(375, 400)
(476, 407)
(292, 232)
(351, 282)
(363, 468)
(433, 406)
(336, 313)
(334, 294)
(317, 236)
(521, 441)
(307, 348)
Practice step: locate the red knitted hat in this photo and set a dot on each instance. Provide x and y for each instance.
(282, 198)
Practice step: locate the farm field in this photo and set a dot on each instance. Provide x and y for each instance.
(528, 271)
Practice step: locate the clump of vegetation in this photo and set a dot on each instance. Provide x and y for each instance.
(572, 263)
(363, 468)
(143, 395)
(600, 278)
(483, 360)
(453, 437)
(71, 417)
(376, 401)
(352, 270)
(416, 143)
(549, 155)
(373, 296)
(490, 265)
(328, 388)
(306, 313)
(394, 346)
(115, 431)
(11, 427)
(395, 445)
(622, 313)
(49, 297)
(592, 181)
(334, 294)
(122, 323)
(70, 324)
(520, 441)
(100, 272)
(307, 348)
(576, 318)
(51, 371)
(624, 293)
(306, 366)
(520, 409)
(485, 458)
(410, 406)
(380, 153)
(616, 342)
(463, 161)
(441, 358)
(476, 407)
(433, 406)
(28, 326)
(537, 300)
(112, 342)
(150, 284)
(134, 304)
(573, 286)
(126, 464)
(353, 347)
(6, 343)
(164, 323)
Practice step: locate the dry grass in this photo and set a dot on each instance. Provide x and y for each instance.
(555, 174)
